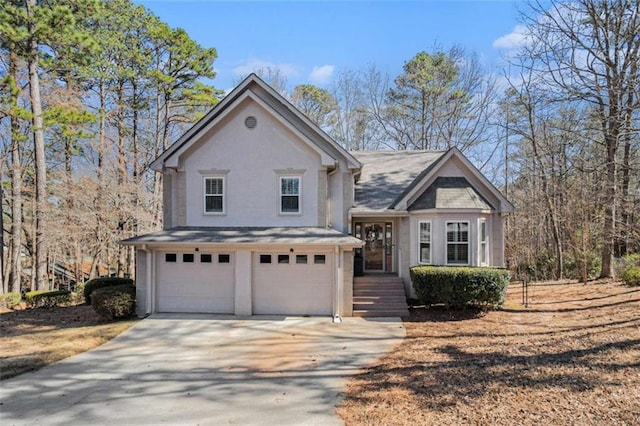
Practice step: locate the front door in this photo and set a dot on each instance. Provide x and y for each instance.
(377, 251)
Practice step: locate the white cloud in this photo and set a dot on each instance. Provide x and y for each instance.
(322, 74)
(514, 40)
(261, 66)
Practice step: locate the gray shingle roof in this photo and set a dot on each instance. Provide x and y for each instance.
(245, 235)
(387, 176)
(450, 193)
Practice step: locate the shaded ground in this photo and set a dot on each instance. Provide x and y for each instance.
(571, 357)
(189, 369)
(33, 338)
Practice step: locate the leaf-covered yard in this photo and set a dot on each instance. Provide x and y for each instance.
(571, 357)
(33, 338)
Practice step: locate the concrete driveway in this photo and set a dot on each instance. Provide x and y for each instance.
(205, 370)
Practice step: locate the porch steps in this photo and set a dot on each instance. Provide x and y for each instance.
(379, 296)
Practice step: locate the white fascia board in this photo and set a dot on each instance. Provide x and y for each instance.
(267, 247)
(378, 213)
(451, 211)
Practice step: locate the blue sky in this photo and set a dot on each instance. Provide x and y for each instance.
(309, 41)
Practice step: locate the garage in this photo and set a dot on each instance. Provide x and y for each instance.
(195, 282)
(297, 283)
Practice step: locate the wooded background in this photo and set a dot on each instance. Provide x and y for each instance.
(91, 91)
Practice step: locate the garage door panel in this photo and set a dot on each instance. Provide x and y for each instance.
(195, 286)
(292, 289)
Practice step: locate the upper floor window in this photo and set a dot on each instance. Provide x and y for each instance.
(458, 243)
(424, 248)
(214, 194)
(289, 194)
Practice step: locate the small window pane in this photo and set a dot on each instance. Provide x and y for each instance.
(170, 257)
(283, 258)
(319, 259)
(213, 203)
(290, 186)
(265, 258)
(205, 258)
(213, 186)
(187, 257)
(226, 258)
(290, 204)
(301, 259)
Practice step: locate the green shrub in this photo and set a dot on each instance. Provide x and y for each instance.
(102, 282)
(460, 286)
(47, 298)
(9, 300)
(114, 302)
(631, 276)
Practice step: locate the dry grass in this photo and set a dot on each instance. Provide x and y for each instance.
(33, 338)
(571, 358)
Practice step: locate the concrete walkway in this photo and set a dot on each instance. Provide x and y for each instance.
(204, 370)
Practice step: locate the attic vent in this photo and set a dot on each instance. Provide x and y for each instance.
(250, 122)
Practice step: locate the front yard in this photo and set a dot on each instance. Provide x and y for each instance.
(571, 357)
(33, 338)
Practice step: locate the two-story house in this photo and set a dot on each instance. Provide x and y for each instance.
(265, 214)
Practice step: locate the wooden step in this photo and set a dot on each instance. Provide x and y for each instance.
(379, 296)
(387, 313)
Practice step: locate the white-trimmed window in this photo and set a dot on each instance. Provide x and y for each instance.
(424, 243)
(483, 245)
(290, 195)
(214, 189)
(458, 243)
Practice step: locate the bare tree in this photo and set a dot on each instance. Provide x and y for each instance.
(587, 52)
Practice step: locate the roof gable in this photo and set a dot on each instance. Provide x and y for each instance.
(477, 182)
(257, 90)
(453, 192)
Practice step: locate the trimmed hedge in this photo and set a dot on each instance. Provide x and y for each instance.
(9, 300)
(631, 276)
(102, 282)
(47, 298)
(459, 287)
(114, 302)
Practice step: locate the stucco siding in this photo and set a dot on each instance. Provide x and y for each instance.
(404, 253)
(167, 206)
(497, 233)
(347, 284)
(141, 283)
(322, 198)
(252, 161)
(180, 189)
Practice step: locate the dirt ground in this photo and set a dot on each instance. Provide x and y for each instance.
(572, 357)
(33, 338)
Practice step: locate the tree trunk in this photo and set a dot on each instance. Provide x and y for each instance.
(609, 231)
(41, 279)
(15, 273)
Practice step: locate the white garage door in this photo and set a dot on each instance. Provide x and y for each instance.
(292, 283)
(195, 282)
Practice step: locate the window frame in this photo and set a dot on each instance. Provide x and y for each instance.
(223, 195)
(420, 242)
(483, 244)
(281, 195)
(447, 242)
